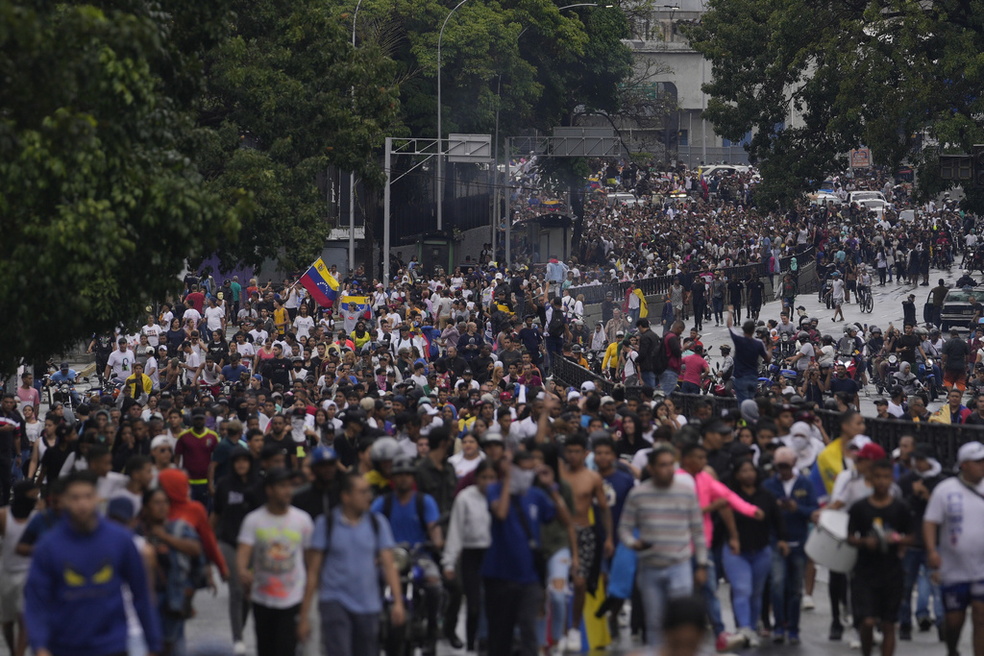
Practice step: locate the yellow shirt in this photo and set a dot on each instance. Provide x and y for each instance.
(611, 356)
(280, 317)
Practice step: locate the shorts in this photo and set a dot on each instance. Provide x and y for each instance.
(12, 595)
(955, 377)
(587, 545)
(957, 596)
(878, 597)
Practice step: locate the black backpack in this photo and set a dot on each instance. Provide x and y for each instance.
(556, 326)
(661, 360)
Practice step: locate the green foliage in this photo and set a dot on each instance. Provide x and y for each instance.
(877, 73)
(99, 205)
(287, 97)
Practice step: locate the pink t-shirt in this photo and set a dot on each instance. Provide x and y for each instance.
(710, 489)
(29, 395)
(694, 367)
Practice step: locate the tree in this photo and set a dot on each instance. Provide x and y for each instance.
(99, 204)
(289, 96)
(883, 73)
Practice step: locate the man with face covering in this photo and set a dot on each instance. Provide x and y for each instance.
(805, 447)
(511, 573)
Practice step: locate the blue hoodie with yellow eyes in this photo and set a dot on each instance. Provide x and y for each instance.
(73, 600)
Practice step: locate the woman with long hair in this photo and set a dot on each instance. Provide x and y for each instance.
(629, 440)
(469, 536)
(749, 568)
(470, 456)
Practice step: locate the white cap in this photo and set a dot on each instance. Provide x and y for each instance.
(587, 386)
(859, 442)
(573, 394)
(970, 452)
(160, 440)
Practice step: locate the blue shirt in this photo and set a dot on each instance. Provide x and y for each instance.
(617, 486)
(748, 350)
(234, 373)
(349, 574)
(59, 377)
(404, 520)
(73, 599)
(509, 557)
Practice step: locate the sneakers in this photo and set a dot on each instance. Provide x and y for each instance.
(454, 641)
(751, 639)
(728, 641)
(573, 641)
(925, 624)
(836, 631)
(855, 640)
(905, 632)
(778, 637)
(239, 648)
(808, 602)
(794, 639)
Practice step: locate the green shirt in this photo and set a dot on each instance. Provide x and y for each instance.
(236, 289)
(553, 536)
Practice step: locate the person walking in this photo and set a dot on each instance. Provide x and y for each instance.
(670, 376)
(649, 343)
(663, 521)
(797, 502)
(73, 598)
(351, 546)
(953, 534)
(271, 564)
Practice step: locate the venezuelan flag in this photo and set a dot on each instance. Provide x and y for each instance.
(356, 304)
(320, 284)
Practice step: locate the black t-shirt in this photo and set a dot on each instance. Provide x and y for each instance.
(864, 517)
(755, 289)
(908, 344)
(232, 506)
(287, 445)
(697, 290)
(956, 351)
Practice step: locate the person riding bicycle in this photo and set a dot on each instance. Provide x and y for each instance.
(414, 517)
(864, 282)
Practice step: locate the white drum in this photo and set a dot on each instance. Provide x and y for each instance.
(828, 545)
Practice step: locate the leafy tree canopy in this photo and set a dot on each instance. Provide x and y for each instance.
(881, 73)
(100, 203)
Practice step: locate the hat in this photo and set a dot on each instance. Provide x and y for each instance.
(492, 437)
(620, 333)
(784, 455)
(800, 428)
(573, 395)
(63, 365)
(121, 509)
(607, 399)
(322, 454)
(399, 398)
(872, 451)
(750, 410)
(587, 386)
(970, 452)
(277, 475)
(505, 396)
(258, 377)
(881, 402)
(488, 398)
(858, 442)
(427, 409)
(923, 451)
(198, 412)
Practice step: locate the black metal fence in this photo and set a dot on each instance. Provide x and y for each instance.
(661, 284)
(945, 439)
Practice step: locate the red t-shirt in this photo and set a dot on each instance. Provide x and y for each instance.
(197, 300)
(196, 451)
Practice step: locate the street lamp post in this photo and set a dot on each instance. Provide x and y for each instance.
(351, 256)
(440, 135)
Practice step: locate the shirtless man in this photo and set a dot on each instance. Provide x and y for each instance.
(586, 485)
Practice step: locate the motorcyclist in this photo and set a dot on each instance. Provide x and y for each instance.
(382, 454)
(805, 355)
(852, 346)
(907, 380)
(966, 280)
(414, 521)
(66, 374)
(932, 346)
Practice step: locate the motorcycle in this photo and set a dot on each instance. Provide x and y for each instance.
(404, 640)
(927, 376)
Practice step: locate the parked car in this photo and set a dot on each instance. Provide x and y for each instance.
(873, 201)
(957, 310)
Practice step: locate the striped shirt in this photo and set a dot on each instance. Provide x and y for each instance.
(668, 519)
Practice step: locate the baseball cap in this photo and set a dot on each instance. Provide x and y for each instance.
(587, 386)
(322, 454)
(881, 402)
(573, 394)
(64, 365)
(970, 452)
(858, 442)
(427, 409)
(492, 436)
(121, 509)
(872, 451)
(198, 412)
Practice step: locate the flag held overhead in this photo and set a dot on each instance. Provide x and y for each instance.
(320, 284)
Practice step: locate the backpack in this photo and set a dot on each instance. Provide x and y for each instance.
(661, 360)
(419, 499)
(556, 326)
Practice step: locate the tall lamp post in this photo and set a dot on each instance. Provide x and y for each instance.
(351, 256)
(440, 134)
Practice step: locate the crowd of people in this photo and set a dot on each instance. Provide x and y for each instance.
(304, 455)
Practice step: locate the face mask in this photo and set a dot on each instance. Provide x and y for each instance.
(800, 443)
(521, 480)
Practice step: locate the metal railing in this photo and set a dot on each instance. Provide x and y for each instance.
(945, 439)
(661, 284)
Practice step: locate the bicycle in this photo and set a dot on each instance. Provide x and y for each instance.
(866, 303)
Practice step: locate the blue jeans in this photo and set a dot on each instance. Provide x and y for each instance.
(648, 378)
(555, 348)
(747, 572)
(718, 305)
(689, 388)
(558, 569)
(199, 492)
(787, 589)
(709, 593)
(745, 387)
(658, 586)
(634, 316)
(668, 381)
(913, 563)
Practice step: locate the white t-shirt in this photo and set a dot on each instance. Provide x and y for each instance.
(259, 336)
(153, 334)
(958, 512)
(463, 466)
(303, 326)
(121, 363)
(191, 313)
(278, 543)
(214, 317)
(150, 368)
